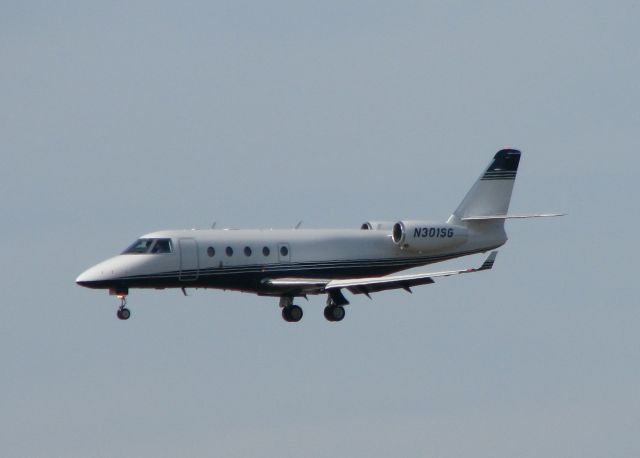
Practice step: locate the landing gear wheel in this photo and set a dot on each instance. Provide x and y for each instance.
(334, 313)
(123, 314)
(292, 313)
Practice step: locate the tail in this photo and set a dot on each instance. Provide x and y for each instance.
(489, 197)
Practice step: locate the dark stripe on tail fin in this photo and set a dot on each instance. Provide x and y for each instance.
(491, 193)
(504, 165)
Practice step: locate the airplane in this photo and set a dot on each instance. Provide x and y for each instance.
(294, 263)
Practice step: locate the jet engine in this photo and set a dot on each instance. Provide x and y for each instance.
(426, 236)
(377, 225)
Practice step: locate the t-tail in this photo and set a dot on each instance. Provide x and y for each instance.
(491, 193)
(485, 207)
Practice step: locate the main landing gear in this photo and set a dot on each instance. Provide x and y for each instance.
(293, 313)
(334, 312)
(290, 312)
(123, 312)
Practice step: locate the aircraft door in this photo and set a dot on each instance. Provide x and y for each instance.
(284, 252)
(189, 261)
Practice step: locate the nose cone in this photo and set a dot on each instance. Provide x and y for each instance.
(90, 278)
(103, 275)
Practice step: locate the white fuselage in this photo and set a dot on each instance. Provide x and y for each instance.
(244, 259)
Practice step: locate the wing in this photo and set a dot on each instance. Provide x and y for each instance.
(368, 285)
(375, 284)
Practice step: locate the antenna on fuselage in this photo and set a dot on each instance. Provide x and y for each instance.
(214, 225)
(298, 225)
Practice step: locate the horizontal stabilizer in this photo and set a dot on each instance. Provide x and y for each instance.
(498, 217)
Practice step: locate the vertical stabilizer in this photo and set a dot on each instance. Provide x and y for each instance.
(491, 193)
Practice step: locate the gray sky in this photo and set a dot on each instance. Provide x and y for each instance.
(121, 118)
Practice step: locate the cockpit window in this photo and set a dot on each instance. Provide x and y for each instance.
(139, 246)
(155, 246)
(162, 246)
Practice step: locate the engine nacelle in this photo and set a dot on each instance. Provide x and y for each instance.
(426, 236)
(377, 225)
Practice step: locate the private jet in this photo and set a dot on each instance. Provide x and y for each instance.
(294, 263)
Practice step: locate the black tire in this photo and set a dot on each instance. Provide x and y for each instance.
(337, 313)
(295, 313)
(123, 314)
(292, 313)
(328, 312)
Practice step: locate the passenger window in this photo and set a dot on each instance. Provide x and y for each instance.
(211, 252)
(266, 251)
(229, 251)
(284, 251)
(247, 251)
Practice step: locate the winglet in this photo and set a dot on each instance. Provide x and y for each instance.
(488, 263)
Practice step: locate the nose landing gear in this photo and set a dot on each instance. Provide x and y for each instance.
(123, 312)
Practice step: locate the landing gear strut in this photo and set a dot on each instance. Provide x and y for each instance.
(290, 312)
(123, 312)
